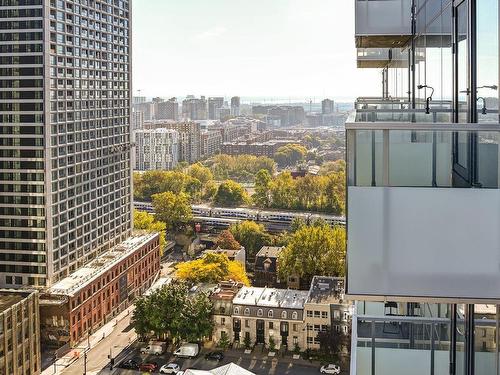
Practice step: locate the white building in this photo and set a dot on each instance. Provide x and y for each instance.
(156, 149)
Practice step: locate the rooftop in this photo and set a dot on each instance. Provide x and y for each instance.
(271, 297)
(83, 276)
(269, 251)
(229, 253)
(326, 289)
(10, 297)
(226, 290)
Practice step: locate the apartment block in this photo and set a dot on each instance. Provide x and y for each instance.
(235, 105)
(194, 109)
(214, 104)
(80, 304)
(167, 110)
(156, 149)
(210, 143)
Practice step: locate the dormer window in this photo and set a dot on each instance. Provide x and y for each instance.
(270, 314)
(294, 315)
(260, 312)
(236, 310)
(283, 315)
(247, 311)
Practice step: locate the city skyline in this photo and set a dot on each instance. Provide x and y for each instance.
(281, 49)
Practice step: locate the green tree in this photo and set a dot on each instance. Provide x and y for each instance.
(230, 194)
(290, 155)
(210, 190)
(250, 235)
(224, 341)
(173, 209)
(332, 342)
(196, 321)
(262, 195)
(200, 172)
(146, 221)
(140, 317)
(314, 250)
(297, 223)
(225, 240)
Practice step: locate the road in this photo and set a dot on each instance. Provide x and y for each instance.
(117, 342)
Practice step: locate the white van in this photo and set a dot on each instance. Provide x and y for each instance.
(187, 351)
(156, 348)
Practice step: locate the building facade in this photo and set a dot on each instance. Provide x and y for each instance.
(210, 143)
(80, 304)
(66, 181)
(327, 106)
(214, 103)
(19, 333)
(222, 300)
(137, 120)
(167, 110)
(235, 106)
(156, 149)
(194, 109)
(266, 267)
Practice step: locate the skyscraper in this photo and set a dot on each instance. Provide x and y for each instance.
(235, 106)
(65, 146)
(327, 106)
(167, 110)
(156, 149)
(194, 109)
(214, 104)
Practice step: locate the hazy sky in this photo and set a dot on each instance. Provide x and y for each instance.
(270, 48)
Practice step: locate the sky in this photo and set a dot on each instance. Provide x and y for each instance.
(258, 48)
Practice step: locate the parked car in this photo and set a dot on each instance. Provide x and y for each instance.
(187, 351)
(149, 367)
(156, 348)
(129, 364)
(330, 369)
(171, 368)
(214, 356)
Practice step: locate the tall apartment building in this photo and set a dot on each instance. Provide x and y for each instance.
(137, 120)
(214, 103)
(156, 149)
(327, 106)
(210, 143)
(167, 110)
(280, 115)
(194, 109)
(189, 139)
(235, 106)
(423, 190)
(147, 108)
(65, 146)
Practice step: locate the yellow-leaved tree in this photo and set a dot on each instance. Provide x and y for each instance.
(146, 221)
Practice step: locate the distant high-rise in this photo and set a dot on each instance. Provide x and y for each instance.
(147, 108)
(137, 120)
(235, 106)
(65, 144)
(194, 109)
(327, 106)
(214, 104)
(189, 138)
(138, 99)
(167, 110)
(156, 149)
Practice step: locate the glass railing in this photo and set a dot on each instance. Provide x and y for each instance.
(423, 154)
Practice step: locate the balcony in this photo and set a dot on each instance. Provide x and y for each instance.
(382, 23)
(381, 57)
(417, 226)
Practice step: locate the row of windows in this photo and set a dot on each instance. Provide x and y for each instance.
(21, 188)
(5, 60)
(16, 211)
(21, 107)
(27, 258)
(20, 25)
(6, 199)
(14, 129)
(21, 36)
(21, 142)
(317, 314)
(270, 313)
(12, 13)
(27, 246)
(26, 223)
(22, 269)
(10, 3)
(21, 83)
(21, 94)
(15, 72)
(18, 234)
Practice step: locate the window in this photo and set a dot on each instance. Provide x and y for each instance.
(247, 323)
(309, 314)
(294, 327)
(223, 321)
(260, 312)
(294, 315)
(309, 340)
(270, 314)
(317, 328)
(246, 312)
(317, 314)
(271, 325)
(283, 315)
(237, 310)
(324, 314)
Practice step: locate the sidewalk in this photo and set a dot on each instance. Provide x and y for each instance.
(78, 352)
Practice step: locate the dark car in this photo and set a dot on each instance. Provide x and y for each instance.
(149, 367)
(130, 364)
(214, 356)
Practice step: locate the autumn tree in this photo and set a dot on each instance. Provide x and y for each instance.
(283, 191)
(200, 172)
(230, 194)
(173, 209)
(314, 250)
(225, 240)
(212, 268)
(290, 155)
(239, 167)
(262, 195)
(250, 235)
(146, 221)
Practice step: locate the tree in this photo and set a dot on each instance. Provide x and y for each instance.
(146, 221)
(283, 191)
(140, 317)
(231, 194)
(210, 190)
(196, 322)
(224, 341)
(239, 167)
(225, 240)
(212, 268)
(272, 344)
(262, 195)
(251, 236)
(290, 155)
(173, 209)
(314, 250)
(297, 223)
(200, 172)
(332, 342)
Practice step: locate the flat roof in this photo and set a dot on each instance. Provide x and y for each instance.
(96, 268)
(7, 300)
(271, 297)
(269, 251)
(326, 290)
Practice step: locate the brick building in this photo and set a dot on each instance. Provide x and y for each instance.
(94, 294)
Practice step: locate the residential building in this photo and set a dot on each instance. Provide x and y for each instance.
(235, 106)
(280, 116)
(423, 158)
(211, 142)
(138, 100)
(19, 332)
(78, 305)
(167, 110)
(266, 267)
(214, 103)
(194, 109)
(326, 309)
(223, 113)
(156, 149)
(66, 181)
(137, 120)
(189, 138)
(327, 106)
(222, 299)
(147, 108)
